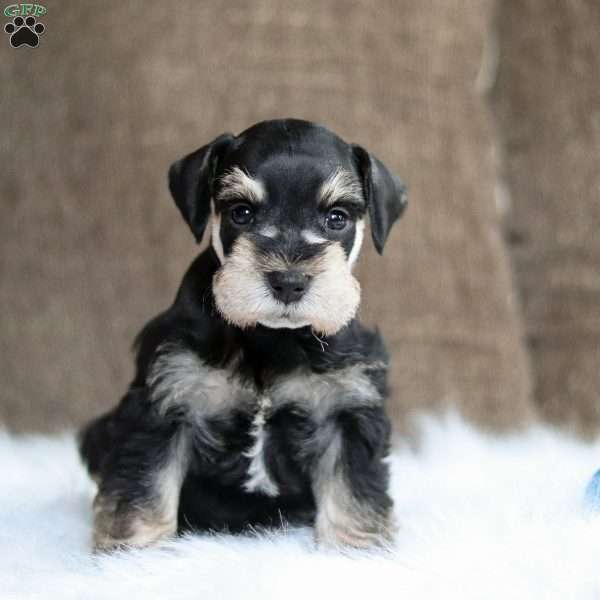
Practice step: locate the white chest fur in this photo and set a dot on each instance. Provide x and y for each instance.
(259, 479)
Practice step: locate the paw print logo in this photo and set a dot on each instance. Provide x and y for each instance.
(24, 32)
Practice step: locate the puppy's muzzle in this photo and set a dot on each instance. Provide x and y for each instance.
(288, 286)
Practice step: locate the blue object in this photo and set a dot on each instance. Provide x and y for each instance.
(592, 493)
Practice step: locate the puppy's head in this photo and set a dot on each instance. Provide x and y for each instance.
(287, 202)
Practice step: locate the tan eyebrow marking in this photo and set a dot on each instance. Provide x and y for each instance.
(269, 231)
(312, 238)
(237, 184)
(340, 185)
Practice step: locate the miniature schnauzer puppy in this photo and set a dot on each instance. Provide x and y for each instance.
(258, 397)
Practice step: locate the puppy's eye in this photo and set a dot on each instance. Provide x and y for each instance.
(242, 214)
(337, 219)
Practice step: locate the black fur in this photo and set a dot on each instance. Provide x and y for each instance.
(123, 448)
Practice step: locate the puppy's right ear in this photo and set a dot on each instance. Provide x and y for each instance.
(191, 182)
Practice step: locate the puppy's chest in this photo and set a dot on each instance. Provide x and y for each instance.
(256, 437)
(180, 379)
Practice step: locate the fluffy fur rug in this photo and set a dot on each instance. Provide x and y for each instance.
(481, 517)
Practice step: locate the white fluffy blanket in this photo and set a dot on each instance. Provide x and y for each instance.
(481, 517)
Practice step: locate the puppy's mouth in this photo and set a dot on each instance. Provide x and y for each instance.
(251, 289)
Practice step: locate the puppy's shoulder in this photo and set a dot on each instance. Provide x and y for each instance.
(355, 343)
(191, 322)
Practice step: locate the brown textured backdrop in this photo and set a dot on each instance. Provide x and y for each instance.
(548, 104)
(91, 245)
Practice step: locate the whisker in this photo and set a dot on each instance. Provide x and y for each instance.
(321, 341)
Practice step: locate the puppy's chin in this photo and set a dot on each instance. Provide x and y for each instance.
(277, 322)
(243, 298)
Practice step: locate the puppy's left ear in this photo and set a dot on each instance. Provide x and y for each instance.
(386, 195)
(191, 182)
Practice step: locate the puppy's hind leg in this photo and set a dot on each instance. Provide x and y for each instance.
(95, 440)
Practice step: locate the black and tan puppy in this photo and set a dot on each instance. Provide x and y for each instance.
(258, 397)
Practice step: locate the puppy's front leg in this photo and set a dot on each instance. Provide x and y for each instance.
(138, 495)
(350, 480)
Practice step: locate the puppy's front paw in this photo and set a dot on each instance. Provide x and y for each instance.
(117, 525)
(363, 529)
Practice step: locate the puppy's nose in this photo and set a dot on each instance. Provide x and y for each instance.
(288, 286)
